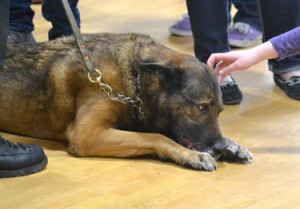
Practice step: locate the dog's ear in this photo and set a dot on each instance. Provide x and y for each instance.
(151, 66)
(170, 76)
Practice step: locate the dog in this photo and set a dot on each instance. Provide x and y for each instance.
(47, 93)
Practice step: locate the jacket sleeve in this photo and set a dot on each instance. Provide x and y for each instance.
(287, 44)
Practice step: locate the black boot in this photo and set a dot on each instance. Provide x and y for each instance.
(20, 159)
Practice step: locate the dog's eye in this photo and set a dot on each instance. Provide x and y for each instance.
(203, 108)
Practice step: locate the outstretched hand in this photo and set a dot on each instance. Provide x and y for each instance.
(226, 63)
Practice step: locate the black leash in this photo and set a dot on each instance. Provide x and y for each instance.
(4, 18)
(97, 75)
(85, 54)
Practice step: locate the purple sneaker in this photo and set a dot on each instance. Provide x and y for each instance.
(243, 35)
(182, 27)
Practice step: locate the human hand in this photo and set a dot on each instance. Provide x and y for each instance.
(226, 63)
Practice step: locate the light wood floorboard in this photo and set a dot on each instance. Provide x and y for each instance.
(267, 122)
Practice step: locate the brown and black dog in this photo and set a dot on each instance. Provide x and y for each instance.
(45, 93)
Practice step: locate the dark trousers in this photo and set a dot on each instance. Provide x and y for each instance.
(21, 17)
(247, 12)
(4, 14)
(278, 17)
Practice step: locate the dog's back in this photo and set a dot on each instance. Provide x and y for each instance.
(40, 80)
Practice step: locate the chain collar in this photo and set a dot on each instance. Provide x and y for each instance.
(97, 75)
(113, 95)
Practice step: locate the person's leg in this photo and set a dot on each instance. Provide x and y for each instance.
(54, 12)
(4, 16)
(20, 22)
(246, 29)
(278, 17)
(183, 26)
(21, 16)
(209, 23)
(247, 12)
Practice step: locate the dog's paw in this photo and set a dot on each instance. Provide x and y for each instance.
(200, 161)
(236, 153)
(72, 149)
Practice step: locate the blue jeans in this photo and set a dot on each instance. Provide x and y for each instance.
(247, 12)
(209, 23)
(21, 17)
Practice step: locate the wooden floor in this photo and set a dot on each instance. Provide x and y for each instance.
(267, 122)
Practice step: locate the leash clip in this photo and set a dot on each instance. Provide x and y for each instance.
(97, 77)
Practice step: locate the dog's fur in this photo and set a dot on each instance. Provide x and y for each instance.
(45, 93)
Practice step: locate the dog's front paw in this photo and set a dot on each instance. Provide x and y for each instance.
(200, 161)
(236, 153)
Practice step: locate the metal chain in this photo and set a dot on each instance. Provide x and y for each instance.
(107, 89)
(85, 54)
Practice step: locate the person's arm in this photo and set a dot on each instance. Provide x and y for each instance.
(287, 44)
(281, 46)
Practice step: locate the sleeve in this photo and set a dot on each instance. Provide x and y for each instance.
(287, 44)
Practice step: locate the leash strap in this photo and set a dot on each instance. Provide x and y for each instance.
(85, 54)
(4, 16)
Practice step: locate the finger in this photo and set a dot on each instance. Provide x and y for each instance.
(219, 70)
(220, 76)
(229, 69)
(219, 66)
(212, 60)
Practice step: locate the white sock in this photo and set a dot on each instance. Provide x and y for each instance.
(288, 75)
(227, 80)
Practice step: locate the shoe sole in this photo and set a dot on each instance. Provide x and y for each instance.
(233, 102)
(24, 171)
(176, 32)
(243, 43)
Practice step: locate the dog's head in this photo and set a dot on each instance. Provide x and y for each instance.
(183, 101)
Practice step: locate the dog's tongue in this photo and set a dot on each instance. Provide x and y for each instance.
(187, 142)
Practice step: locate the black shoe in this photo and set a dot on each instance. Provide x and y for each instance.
(291, 87)
(20, 159)
(231, 94)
